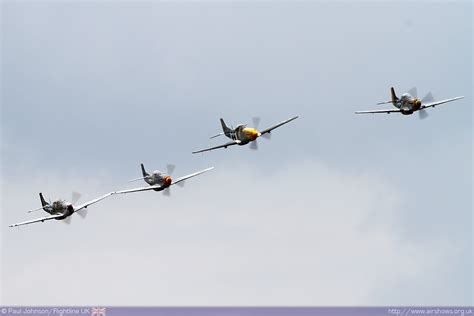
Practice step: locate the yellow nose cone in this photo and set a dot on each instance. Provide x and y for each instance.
(252, 133)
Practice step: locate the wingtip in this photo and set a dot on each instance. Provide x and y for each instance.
(207, 169)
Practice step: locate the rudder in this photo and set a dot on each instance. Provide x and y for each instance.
(43, 202)
(393, 96)
(225, 129)
(145, 174)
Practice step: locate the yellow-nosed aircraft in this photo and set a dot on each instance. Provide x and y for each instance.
(242, 135)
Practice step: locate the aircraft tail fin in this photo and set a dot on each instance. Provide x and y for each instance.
(145, 174)
(43, 202)
(393, 96)
(225, 129)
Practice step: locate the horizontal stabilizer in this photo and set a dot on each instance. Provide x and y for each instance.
(216, 135)
(35, 210)
(141, 178)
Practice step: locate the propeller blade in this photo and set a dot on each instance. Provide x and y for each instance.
(82, 213)
(267, 135)
(256, 122)
(167, 192)
(254, 145)
(428, 98)
(181, 184)
(67, 220)
(170, 168)
(413, 92)
(75, 197)
(422, 114)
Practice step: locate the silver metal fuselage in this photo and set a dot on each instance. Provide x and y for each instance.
(243, 134)
(59, 207)
(407, 104)
(159, 178)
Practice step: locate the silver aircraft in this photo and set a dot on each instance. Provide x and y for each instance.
(62, 209)
(160, 181)
(242, 135)
(408, 103)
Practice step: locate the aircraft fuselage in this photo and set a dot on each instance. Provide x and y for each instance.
(243, 134)
(408, 104)
(59, 207)
(159, 178)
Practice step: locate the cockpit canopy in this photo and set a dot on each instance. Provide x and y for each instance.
(406, 96)
(59, 204)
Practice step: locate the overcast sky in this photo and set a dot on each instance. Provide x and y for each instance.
(335, 209)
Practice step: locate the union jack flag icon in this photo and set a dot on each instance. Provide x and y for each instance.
(98, 311)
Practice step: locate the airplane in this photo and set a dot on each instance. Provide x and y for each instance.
(242, 135)
(160, 181)
(409, 103)
(62, 209)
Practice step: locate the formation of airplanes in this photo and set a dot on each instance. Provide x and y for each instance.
(62, 210)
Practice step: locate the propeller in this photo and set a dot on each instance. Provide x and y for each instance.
(254, 145)
(67, 220)
(170, 168)
(82, 213)
(428, 98)
(256, 122)
(75, 196)
(413, 92)
(422, 114)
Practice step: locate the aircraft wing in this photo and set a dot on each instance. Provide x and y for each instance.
(191, 175)
(268, 130)
(378, 111)
(42, 219)
(235, 142)
(84, 205)
(151, 187)
(435, 103)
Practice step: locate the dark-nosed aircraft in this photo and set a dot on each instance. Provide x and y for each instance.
(61, 209)
(160, 181)
(409, 103)
(242, 135)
